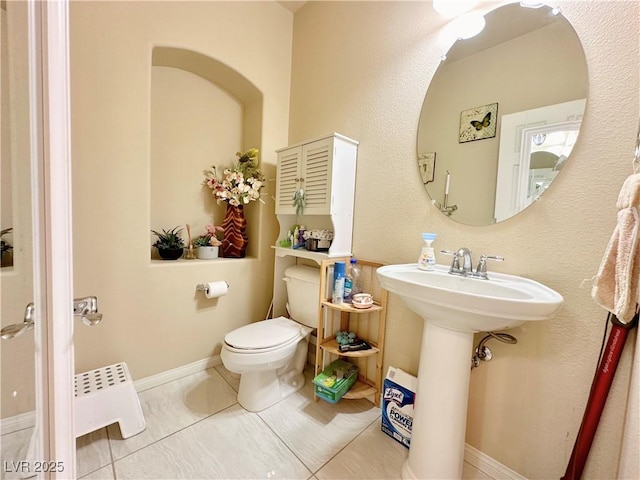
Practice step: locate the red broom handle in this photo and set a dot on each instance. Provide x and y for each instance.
(597, 398)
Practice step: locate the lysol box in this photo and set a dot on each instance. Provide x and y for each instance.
(398, 398)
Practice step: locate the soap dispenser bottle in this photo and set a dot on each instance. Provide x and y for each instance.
(427, 258)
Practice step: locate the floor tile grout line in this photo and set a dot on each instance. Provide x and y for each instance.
(110, 462)
(173, 433)
(313, 473)
(347, 444)
(113, 463)
(284, 442)
(269, 427)
(227, 381)
(114, 460)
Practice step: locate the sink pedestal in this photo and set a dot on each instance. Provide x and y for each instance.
(440, 415)
(453, 308)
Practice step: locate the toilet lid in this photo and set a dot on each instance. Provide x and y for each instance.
(264, 334)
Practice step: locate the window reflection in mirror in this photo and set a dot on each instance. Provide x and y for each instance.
(531, 63)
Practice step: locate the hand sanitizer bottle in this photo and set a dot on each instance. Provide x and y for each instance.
(427, 258)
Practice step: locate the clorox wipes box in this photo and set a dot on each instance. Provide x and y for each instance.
(398, 398)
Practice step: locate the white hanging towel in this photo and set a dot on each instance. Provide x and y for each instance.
(616, 284)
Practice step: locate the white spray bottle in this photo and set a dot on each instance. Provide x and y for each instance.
(427, 258)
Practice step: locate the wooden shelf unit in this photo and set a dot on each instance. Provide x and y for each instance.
(368, 324)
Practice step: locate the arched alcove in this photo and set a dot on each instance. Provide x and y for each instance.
(201, 113)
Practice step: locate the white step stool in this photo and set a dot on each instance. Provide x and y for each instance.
(105, 396)
(102, 397)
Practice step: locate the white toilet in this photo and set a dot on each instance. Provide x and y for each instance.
(270, 355)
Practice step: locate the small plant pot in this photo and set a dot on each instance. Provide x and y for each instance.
(207, 253)
(170, 253)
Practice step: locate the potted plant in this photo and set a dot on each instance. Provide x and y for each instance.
(169, 243)
(208, 243)
(5, 249)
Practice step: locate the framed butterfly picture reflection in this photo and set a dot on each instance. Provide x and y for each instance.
(478, 123)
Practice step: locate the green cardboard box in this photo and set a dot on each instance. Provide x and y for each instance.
(335, 380)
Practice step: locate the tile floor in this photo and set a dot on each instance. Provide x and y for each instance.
(196, 429)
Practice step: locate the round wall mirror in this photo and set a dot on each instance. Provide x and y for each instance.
(501, 115)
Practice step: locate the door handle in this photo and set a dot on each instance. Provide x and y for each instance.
(85, 308)
(17, 329)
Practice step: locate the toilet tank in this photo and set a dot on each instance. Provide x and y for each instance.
(303, 287)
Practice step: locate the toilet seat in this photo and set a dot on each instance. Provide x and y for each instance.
(264, 336)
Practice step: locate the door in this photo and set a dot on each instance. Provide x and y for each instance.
(317, 158)
(36, 309)
(289, 173)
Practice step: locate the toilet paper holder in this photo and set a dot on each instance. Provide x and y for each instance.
(202, 287)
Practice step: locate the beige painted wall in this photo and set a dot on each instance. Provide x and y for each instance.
(362, 69)
(194, 124)
(153, 318)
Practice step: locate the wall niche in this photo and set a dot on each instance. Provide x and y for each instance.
(202, 113)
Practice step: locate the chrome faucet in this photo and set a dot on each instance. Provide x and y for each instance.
(463, 254)
(456, 269)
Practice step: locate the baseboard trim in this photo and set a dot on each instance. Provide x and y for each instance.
(17, 422)
(28, 419)
(176, 373)
(488, 465)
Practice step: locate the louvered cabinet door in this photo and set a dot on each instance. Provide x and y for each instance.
(317, 159)
(289, 174)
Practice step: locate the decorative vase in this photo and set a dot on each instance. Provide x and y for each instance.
(235, 240)
(170, 253)
(207, 253)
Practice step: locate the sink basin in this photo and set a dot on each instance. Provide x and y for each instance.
(468, 303)
(454, 308)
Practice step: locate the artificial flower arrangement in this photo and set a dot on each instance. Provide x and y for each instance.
(208, 238)
(239, 184)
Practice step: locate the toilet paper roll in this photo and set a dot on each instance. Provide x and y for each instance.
(215, 289)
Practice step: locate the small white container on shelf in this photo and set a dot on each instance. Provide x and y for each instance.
(208, 253)
(362, 300)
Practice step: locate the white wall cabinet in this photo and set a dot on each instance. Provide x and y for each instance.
(325, 168)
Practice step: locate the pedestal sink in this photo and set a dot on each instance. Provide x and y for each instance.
(454, 308)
